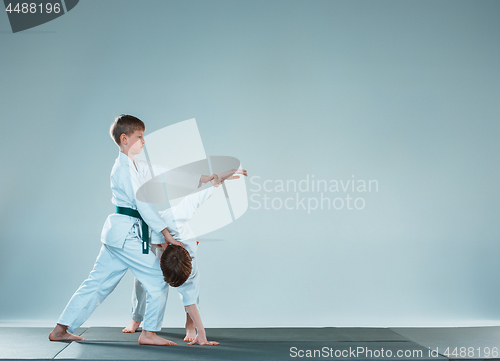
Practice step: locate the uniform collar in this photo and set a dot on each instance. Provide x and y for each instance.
(123, 158)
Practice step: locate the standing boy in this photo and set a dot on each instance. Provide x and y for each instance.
(125, 242)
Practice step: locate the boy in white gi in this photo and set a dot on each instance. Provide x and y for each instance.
(178, 264)
(122, 247)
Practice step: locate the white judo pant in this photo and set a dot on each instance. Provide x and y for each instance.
(139, 293)
(111, 265)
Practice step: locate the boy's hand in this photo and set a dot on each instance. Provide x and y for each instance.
(215, 180)
(202, 340)
(174, 242)
(169, 239)
(242, 171)
(230, 174)
(206, 179)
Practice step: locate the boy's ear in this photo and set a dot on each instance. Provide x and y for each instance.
(123, 138)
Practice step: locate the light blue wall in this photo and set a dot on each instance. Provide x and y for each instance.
(403, 92)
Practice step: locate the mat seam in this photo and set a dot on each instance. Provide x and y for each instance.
(69, 343)
(409, 339)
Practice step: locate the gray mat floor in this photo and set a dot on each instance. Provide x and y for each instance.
(109, 343)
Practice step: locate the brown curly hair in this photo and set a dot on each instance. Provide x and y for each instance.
(176, 265)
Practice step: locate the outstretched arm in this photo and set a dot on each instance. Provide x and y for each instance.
(201, 336)
(186, 209)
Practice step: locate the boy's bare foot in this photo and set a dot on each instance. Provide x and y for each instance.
(151, 338)
(60, 333)
(202, 340)
(190, 335)
(132, 327)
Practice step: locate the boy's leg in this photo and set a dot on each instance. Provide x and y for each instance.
(106, 274)
(190, 329)
(201, 336)
(156, 293)
(146, 268)
(138, 307)
(139, 300)
(190, 325)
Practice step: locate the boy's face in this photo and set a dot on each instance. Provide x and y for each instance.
(136, 141)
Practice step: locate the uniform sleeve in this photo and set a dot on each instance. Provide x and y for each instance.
(186, 209)
(177, 178)
(190, 290)
(130, 184)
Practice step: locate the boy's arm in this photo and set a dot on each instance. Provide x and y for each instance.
(150, 215)
(185, 210)
(179, 178)
(201, 336)
(188, 206)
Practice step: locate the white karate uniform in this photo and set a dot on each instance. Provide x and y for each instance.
(176, 219)
(122, 250)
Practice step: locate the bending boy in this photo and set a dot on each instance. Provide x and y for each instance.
(178, 264)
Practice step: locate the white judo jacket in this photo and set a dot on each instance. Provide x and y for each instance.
(125, 181)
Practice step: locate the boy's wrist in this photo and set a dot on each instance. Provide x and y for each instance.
(166, 233)
(205, 178)
(215, 180)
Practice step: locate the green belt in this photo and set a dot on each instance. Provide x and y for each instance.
(145, 229)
